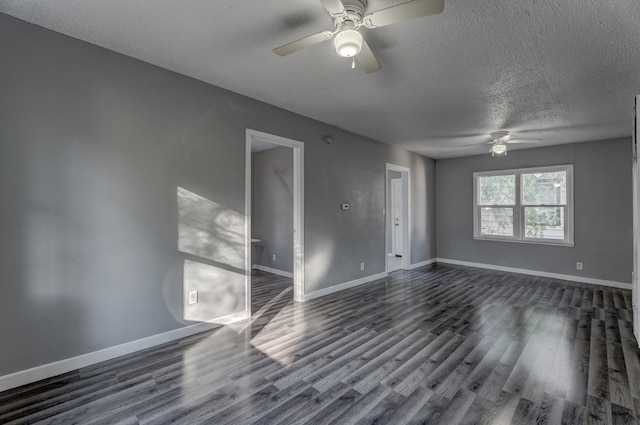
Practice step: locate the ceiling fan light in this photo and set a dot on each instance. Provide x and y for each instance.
(498, 149)
(348, 43)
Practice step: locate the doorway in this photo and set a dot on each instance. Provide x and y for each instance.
(397, 218)
(255, 138)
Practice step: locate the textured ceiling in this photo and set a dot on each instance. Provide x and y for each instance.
(564, 71)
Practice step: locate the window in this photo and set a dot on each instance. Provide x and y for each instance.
(527, 205)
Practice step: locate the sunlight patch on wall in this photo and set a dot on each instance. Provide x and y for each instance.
(209, 230)
(216, 279)
(318, 266)
(220, 292)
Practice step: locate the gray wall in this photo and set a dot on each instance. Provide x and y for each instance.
(98, 241)
(273, 208)
(602, 219)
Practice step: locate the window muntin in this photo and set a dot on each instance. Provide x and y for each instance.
(525, 205)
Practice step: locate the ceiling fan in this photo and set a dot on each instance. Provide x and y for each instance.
(500, 140)
(349, 16)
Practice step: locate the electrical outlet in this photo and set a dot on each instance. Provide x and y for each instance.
(578, 265)
(361, 266)
(193, 297)
(274, 257)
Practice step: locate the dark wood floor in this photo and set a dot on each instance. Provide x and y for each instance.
(439, 345)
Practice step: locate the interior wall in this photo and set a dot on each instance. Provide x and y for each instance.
(124, 187)
(273, 208)
(602, 219)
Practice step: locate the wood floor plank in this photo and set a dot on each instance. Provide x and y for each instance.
(598, 369)
(431, 411)
(367, 377)
(536, 383)
(448, 380)
(561, 369)
(551, 411)
(523, 368)
(578, 383)
(477, 378)
(526, 412)
(362, 406)
(504, 408)
(457, 407)
(573, 414)
(383, 411)
(441, 344)
(632, 362)
(420, 375)
(410, 406)
(320, 401)
(598, 411)
(619, 390)
(477, 413)
(410, 365)
(494, 384)
(622, 416)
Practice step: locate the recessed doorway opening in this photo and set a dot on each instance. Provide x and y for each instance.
(292, 228)
(397, 218)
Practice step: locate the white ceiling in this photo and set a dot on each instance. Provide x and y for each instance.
(564, 70)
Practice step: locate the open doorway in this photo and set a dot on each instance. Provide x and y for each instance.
(262, 253)
(397, 218)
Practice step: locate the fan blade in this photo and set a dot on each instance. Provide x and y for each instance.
(303, 42)
(403, 12)
(478, 144)
(523, 141)
(334, 7)
(367, 59)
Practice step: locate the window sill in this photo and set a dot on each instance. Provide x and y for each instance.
(525, 241)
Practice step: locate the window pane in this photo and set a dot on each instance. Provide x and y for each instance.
(496, 221)
(544, 188)
(497, 190)
(544, 222)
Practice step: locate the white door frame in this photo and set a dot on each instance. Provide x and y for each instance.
(396, 231)
(405, 174)
(298, 211)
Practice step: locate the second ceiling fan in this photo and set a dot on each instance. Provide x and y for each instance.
(349, 16)
(500, 140)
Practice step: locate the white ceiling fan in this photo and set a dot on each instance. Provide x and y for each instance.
(500, 140)
(349, 16)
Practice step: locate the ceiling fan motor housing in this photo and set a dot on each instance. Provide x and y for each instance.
(355, 6)
(354, 11)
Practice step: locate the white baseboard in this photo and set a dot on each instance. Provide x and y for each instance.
(274, 271)
(49, 370)
(341, 287)
(572, 278)
(422, 264)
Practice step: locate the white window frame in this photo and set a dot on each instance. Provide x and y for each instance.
(519, 235)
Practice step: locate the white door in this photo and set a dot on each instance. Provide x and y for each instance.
(396, 210)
